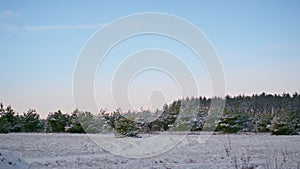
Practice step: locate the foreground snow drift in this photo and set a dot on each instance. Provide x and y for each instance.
(42, 150)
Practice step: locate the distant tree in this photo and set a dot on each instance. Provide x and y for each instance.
(32, 121)
(278, 114)
(121, 125)
(210, 121)
(235, 122)
(89, 122)
(57, 122)
(263, 123)
(7, 119)
(284, 125)
(126, 127)
(74, 123)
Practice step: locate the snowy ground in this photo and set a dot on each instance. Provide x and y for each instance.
(219, 151)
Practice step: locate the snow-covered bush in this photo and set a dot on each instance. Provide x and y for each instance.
(121, 126)
(235, 122)
(56, 122)
(283, 125)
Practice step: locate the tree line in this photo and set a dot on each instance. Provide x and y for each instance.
(277, 114)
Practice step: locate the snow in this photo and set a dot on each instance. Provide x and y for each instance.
(42, 150)
(9, 160)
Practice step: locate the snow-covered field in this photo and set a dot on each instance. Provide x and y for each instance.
(41, 150)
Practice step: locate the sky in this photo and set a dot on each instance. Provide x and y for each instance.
(258, 44)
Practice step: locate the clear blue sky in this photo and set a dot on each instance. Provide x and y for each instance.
(258, 43)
